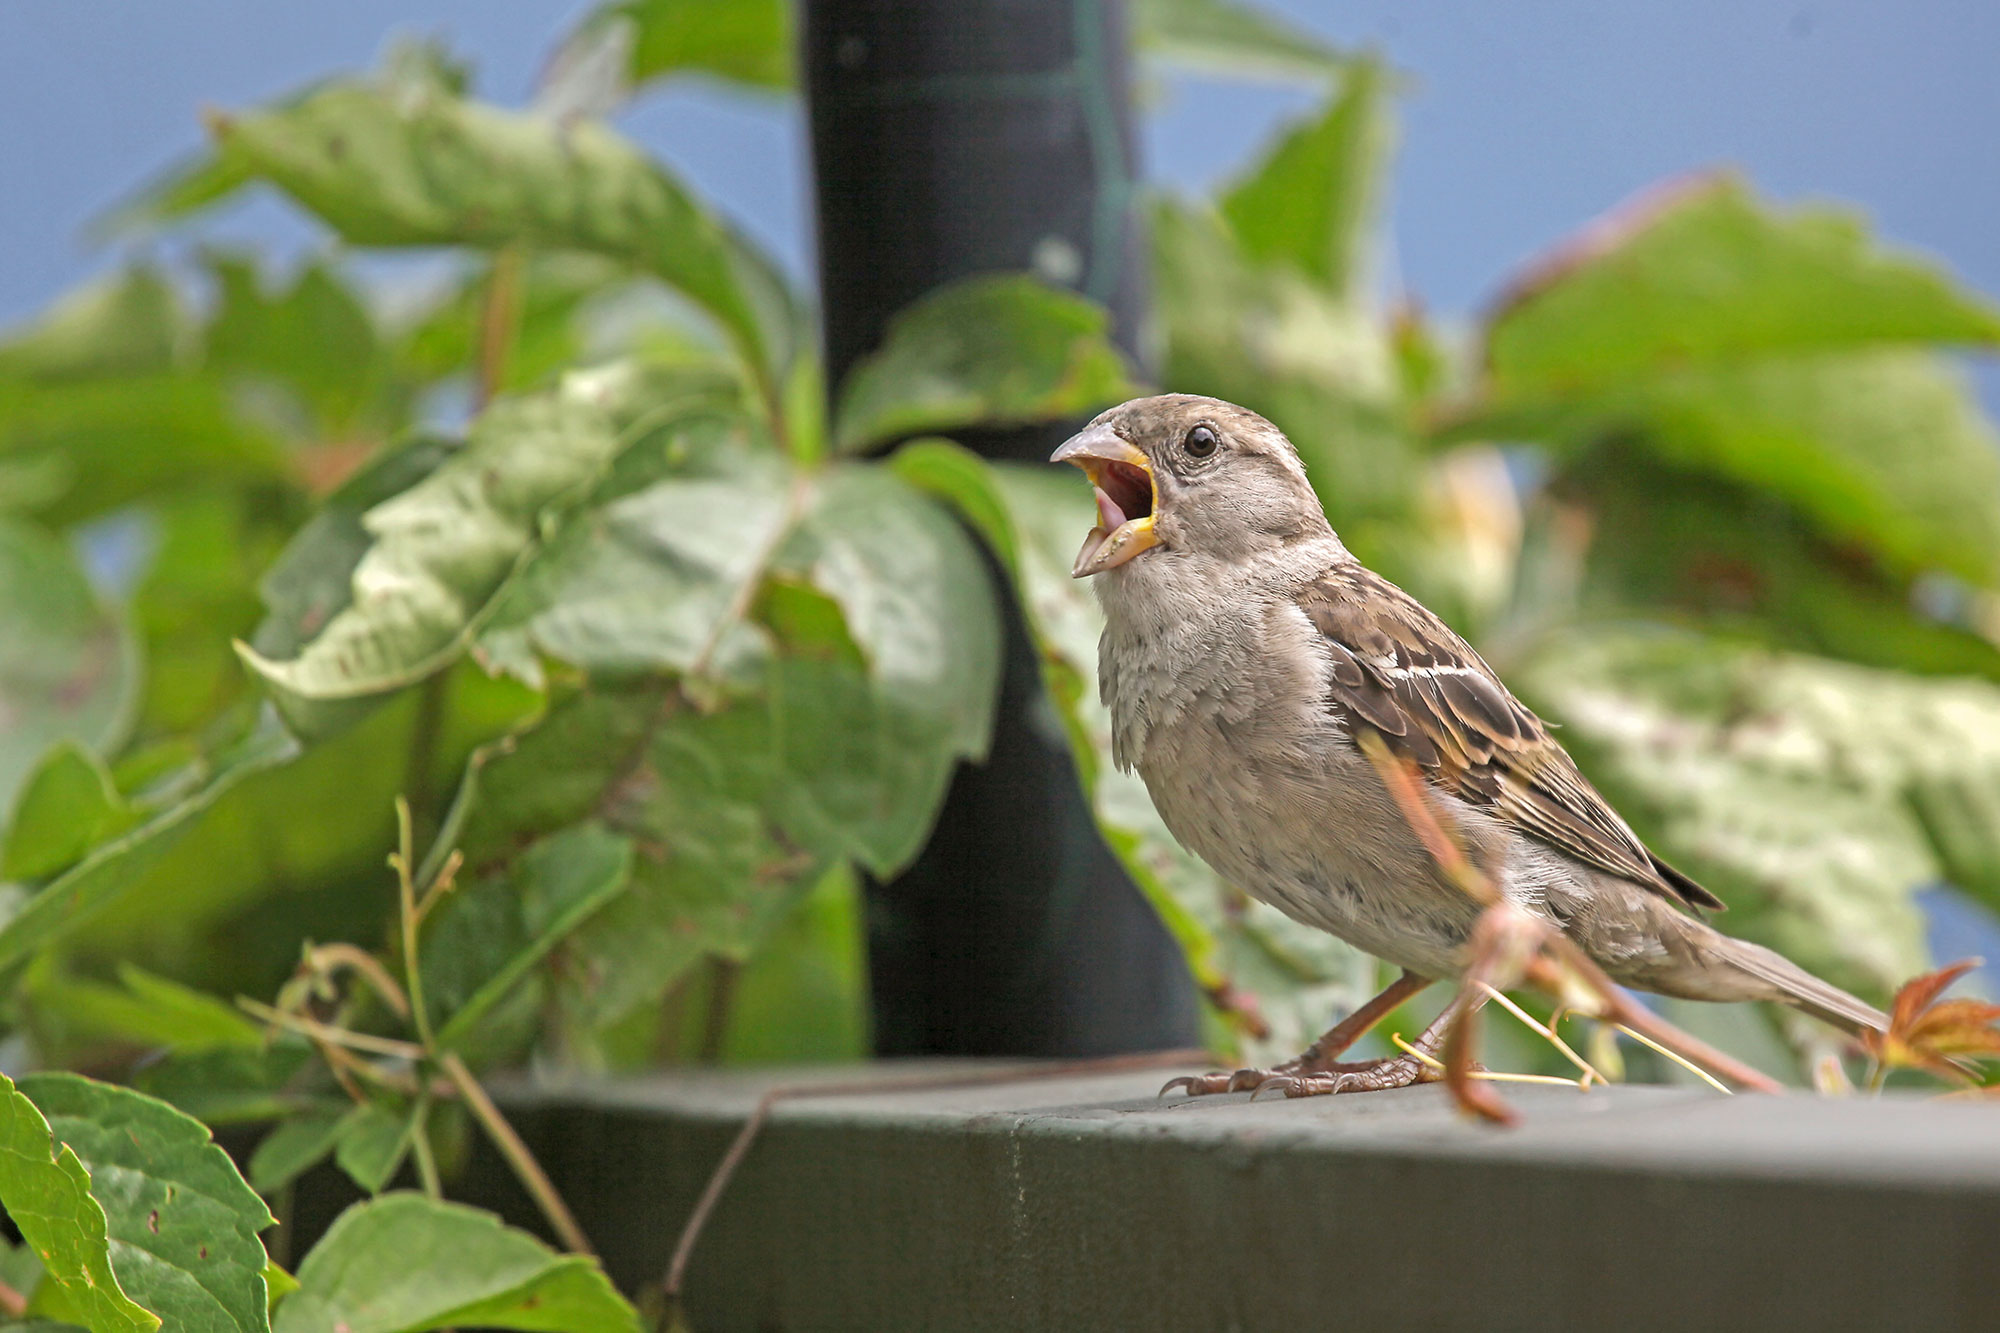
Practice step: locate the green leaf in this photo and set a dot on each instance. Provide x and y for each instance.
(295, 1145)
(747, 42)
(1886, 449)
(424, 168)
(113, 867)
(1321, 368)
(440, 551)
(149, 1010)
(1231, 38)
(229, 1085)
(94, 446)
(1701, 273)
(182, 190)
(313, 341)
(133, 322)
(1315, 200)
(985, 351)
(659, 576)
(46, 1190)
(701, 795)
(1791, 785)
(404, 1264)
(371, 1144)
(64, 808)
(1689, 546)
(556, 293)
(868, 722)
(67, 667)
(182, 1223)
(1044, 515)
(488, 937)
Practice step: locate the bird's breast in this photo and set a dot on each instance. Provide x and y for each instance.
(1254, 772)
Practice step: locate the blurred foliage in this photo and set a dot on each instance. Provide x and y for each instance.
(562, 547)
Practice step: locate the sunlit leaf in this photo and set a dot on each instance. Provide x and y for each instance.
(1315, 200)
(746, 42)
(1701, 273)
(985, 351)
(1783, 782)
(182, 1223)
(133, 322)
(429, 169)
(46, 1191)
(438, 552)
(404, 1264)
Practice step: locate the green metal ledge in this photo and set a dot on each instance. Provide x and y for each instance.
(1091, 1204)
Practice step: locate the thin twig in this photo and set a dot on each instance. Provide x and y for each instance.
(1675, 1056)
(1549, 1033)
(1487, 1075)
(739, 1147)
(358, 1041)
(1404, 784)
(329, 958)
(499, 321)
(12, 1302)
(406, 902)
(526, 1169)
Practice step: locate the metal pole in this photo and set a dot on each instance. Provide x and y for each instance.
(953, 138)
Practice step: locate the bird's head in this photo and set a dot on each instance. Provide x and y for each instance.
(1197, 475)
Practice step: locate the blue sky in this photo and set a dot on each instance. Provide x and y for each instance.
(1523, 119)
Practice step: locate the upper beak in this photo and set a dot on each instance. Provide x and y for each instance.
(1127, 498)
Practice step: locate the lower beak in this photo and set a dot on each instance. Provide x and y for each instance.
(1111, 463)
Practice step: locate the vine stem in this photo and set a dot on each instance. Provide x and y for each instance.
(526, 1169)
(739, 1147)
(406, 890)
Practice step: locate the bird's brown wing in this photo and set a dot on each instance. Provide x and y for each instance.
(1401, 672)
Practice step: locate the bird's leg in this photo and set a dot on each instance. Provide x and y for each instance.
(1317, 1057)
(1396, 1071)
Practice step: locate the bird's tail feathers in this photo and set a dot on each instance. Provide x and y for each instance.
(1800, 989)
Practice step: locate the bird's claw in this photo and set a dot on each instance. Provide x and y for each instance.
(1224, 1080)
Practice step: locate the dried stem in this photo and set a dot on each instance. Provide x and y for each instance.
(1543, 955)
(307, 1027)
(526, 1169)
(327, 959)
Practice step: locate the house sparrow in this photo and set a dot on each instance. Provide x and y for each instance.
(1245, 652)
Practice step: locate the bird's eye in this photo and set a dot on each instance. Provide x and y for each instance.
(1201, 442)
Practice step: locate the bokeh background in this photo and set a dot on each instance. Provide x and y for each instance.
(1522, 119)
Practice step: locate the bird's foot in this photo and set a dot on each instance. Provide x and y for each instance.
(1225, 1080)
(1400, 1071)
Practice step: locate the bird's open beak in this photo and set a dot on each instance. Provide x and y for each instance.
(1126, 499)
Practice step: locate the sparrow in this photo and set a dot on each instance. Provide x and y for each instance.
(1245, 657)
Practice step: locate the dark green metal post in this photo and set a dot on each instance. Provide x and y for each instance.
(951, 139)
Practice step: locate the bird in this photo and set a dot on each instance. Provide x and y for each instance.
(1248, 661)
